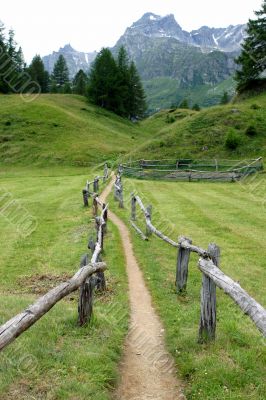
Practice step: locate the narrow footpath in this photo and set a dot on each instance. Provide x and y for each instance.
(147, 370)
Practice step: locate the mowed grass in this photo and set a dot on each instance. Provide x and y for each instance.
(231, 215)
(56, 359)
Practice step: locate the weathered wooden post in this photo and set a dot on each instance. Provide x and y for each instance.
(85, 194)
(85, 306)
(100, 282)
(207, 325)
(120, 169)
(148, 214)
(105, 217)
(96, 185)
(133, 207)
(183, 257)
(105, 171)
(94, 206)
(120, 194)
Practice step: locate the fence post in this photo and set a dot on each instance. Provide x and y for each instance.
(105, 172)
(120, 169)
(133, 207)
(105, 217)
(183, 256)
(207, 325)
(85, 194)
(120, 193)
(94, 206)
(85, 306)
(148, 214)
(100, 282)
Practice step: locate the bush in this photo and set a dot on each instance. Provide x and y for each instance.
(170, 119)
(255, 106)
(251, 130)
(233, 140)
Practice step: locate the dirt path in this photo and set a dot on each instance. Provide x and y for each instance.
(147, 369)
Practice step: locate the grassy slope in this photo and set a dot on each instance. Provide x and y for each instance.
(187, 136)
(233, 216)
(55, 359)
(163, 92)
(62, 129)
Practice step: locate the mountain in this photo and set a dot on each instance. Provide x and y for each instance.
(207, 39)
(174, 63)
(76, 60)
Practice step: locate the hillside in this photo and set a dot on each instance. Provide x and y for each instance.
(184, 133)
(62, 129)
(67, 130)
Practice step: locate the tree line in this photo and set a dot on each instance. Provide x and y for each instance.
(114, 83)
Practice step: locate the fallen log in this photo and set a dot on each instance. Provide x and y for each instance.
(21, 322)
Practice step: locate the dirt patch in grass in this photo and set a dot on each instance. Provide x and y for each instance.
(41, 283)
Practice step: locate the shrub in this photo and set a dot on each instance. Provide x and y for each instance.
(170, 119)
(251, 130)
(255, 106)
(233, 140)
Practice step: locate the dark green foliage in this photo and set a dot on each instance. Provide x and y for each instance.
(225, 98)
(184, 104)
(38, 73)
(233, 139)
(116, 85)
(137, 103)
(196, 107)
(255, 106)
(251, 130)
(12, 76)
(103, 81)
(80, 83)
(170, 119)
(252, 60)
(60, 77)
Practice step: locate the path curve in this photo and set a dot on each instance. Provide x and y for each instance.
(147, 370)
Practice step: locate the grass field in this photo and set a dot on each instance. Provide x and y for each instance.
(62, 129)
(203, 134)
(232, 215)
(55, 359)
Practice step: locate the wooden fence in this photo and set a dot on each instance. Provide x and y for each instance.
(212, 276)
(89, 277)
(86, 193)
(192, 170)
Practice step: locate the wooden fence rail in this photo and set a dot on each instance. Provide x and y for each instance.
(21, 322)
(86, 193)
(212, 276)
(89, 276)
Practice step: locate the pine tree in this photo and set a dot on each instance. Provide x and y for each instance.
(116, 85)
(3, 60)
(252, 59)
(80, 83)
(12, 64)
(123, 82)
(38, 73)
(225, 98)
(103, 81)
(137, 102)
(196, 107)
(184, 104)
(60, 75)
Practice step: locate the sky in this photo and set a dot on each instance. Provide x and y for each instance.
(44, 26)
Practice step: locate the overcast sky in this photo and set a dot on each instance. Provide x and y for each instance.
(44, 26)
